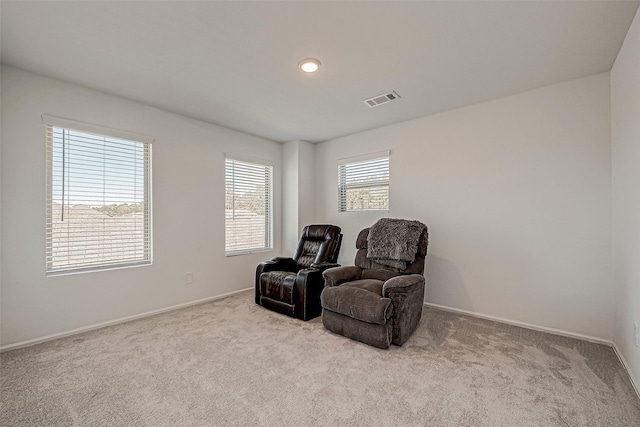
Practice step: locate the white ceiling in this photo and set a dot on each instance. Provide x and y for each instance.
(235, 63)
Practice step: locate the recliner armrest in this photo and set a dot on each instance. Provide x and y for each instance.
(276, 264)
(281, 263)
(402, 283)
(337, 275)
(324, 265)
(407, 296)
(308, 287)
(283, 260)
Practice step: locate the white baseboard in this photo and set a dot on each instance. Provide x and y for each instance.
(626, 367)
(51, 337)
(523, 324)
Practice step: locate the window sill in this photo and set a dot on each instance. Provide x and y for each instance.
(365, 212)
(97, 269)
(247, 252)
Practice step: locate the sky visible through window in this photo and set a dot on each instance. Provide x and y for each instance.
(98, 170)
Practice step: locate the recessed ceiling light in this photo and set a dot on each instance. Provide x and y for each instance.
(309, 65)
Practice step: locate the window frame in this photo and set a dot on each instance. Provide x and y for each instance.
(343, 187)
(269, 212)
(106, 132)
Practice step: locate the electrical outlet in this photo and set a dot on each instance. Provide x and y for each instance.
(188, 278)
(637, 332)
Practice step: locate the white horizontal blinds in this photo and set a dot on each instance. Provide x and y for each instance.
(248, 206)
(98, 201)
(363, 185)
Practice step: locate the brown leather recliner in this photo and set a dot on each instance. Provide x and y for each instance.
(372, 303)
(292, 286)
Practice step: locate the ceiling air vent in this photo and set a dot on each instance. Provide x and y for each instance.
(381, 99)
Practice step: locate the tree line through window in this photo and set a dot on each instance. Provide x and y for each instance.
(363, 185)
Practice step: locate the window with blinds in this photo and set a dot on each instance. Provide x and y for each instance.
(98, 199)
(248, 206)
(363, 183)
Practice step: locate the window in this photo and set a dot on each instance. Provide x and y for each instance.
(363, 183)
(248, 206)
(98, 197)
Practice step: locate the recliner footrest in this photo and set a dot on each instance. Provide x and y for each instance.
(279, 306)
(357, 303)
(369, 333)
(278, 286)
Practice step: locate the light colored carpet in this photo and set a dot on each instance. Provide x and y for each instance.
(231, 362)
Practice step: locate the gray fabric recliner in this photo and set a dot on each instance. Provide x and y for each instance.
(373, 303)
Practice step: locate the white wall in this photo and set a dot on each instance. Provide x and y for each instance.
(188, 212)
(306, 184)
(516, 194)
(298, 186)
(290, 202)
(0, 216)
(625, 140)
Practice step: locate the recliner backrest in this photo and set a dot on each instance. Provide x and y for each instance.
(318, 243)
(373, 270)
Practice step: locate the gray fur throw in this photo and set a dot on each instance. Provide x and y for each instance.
(394, 242)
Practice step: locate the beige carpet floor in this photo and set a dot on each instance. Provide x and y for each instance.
(233, 363)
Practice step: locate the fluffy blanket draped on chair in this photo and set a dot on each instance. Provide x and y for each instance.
(394, 242)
